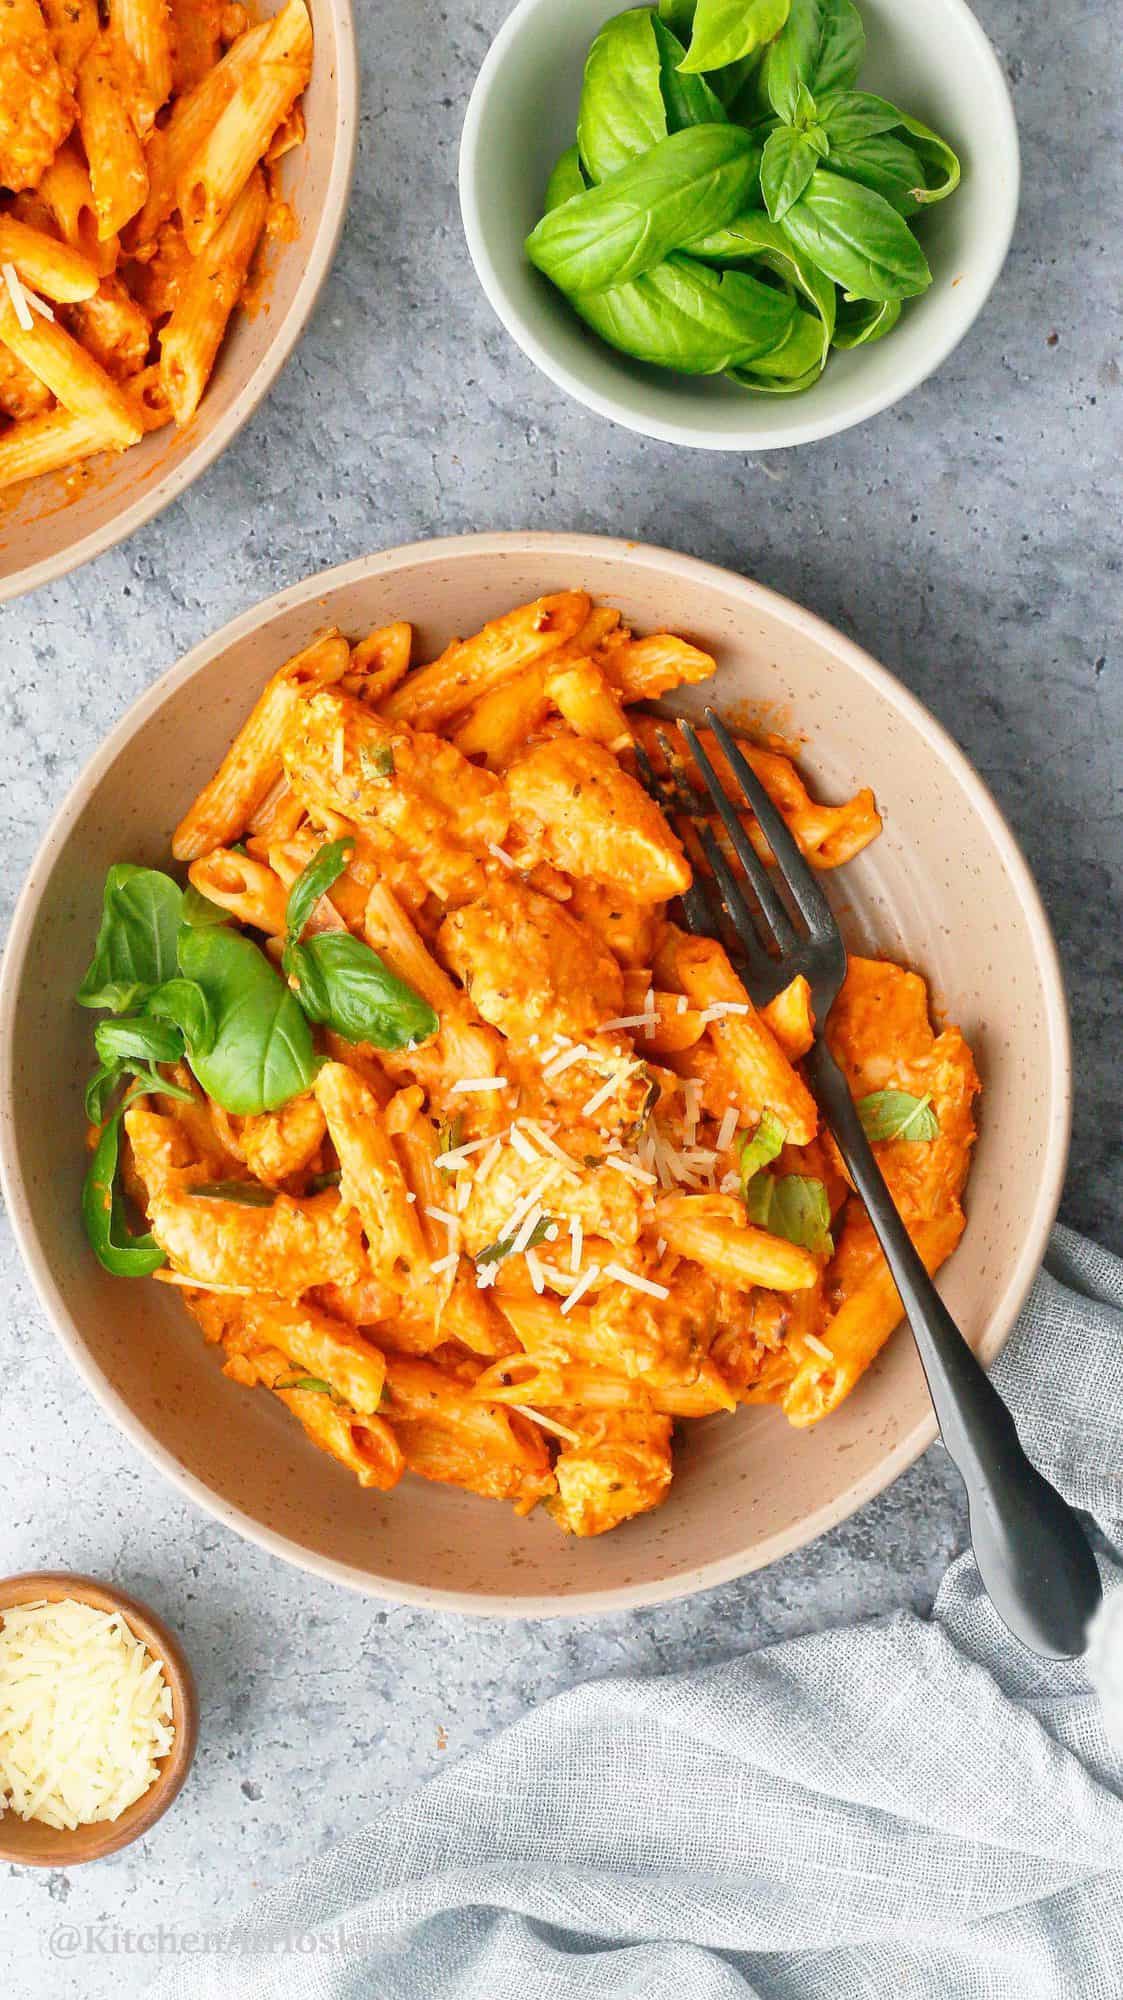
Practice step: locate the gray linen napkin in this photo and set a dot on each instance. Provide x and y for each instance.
(911, 1807)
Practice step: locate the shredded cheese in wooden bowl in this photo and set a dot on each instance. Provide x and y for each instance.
(85, 1714)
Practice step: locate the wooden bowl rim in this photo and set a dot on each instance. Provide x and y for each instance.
(91, 1843)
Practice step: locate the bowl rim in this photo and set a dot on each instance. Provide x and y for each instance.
(105, 1837)
(576, 549)
(213, 441)
(797, 430)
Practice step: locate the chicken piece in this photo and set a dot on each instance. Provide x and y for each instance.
(406, 785)
(21, 393)
(626, 924)
(279, 1145)
(657, 1341)
(282, 1250)
(576, 807)
(621, 1467)
(604, 1203)
(36, 108)
(529, 966)
(881, 1035)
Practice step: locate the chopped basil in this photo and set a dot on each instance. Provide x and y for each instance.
(248, 1194)
(792, 1206)
(896, 1114)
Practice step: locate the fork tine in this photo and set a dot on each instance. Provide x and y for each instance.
(794, 871)
(772, 909)
(700, 907)
(752, 938)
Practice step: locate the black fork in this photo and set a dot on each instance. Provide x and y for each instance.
(1032, 1553)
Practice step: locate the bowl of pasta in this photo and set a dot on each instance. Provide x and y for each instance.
(401, 1173)
(172, 188)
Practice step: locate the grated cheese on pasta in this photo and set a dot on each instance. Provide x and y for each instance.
(85, 1714)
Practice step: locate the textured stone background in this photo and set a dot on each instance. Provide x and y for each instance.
(968, 539)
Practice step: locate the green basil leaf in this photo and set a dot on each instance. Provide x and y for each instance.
(688, 183)
(688, 100)
(896, 1114)
(136, 940)
(684, 315)
(342, 983)
(200, 912)
(820, 47)
(794, 1207)
(450, 1136)
(793, 364)
(314, 881)
(761, 1146)
(184, 1002)
(138, 1039)
(854, 236)
(566, 180)
(753, 238)
(726, 30)
(247, 1194)
(263, 1052)
(320, 1183)
(622, 113)
(314, 1385)
(678, 16)
(123, 1255)
(786, 166)
(852, 115)
(887, 165)
(378, 763)
(99, 1090)
(503, 1247)
(860, 321)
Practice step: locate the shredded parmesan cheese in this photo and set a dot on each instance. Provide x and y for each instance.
(85, 1714)
(635, 1282)
(586, 1279)
(598, 1098)
(726, 1130)
(500, 854)
(624, 1021)
(479, 1083)
(547, 1423)
(555, 1066)
(15, 293)
(818, 1347)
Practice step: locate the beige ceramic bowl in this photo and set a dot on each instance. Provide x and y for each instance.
(52, 525)
(29, 1843)
(945, 887)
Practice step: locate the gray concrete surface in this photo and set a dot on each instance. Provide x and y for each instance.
(969, 539)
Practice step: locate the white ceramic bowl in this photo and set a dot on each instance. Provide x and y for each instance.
(929, 56)
(53, 524)
(944, 888)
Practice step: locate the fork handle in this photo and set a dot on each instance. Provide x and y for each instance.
(1033, 1555)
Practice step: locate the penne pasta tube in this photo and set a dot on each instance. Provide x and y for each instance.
(364, 1444)
(114, 329)
(214, 176)
(73, 376)
(589, 704)
(245, 887)
(66, 190)
(319, 1346)
(74, 27)
(372, 1183)
(192, 337)
(712, 1230)
(21, 393)
(118, 174)
(470, 668)
(52, 268)
(145, 29)
(752, 1060)
(170, 147)
(644, 669)
(196, 45)
(252, 765)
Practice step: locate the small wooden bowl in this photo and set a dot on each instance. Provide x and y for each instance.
(31, 1844)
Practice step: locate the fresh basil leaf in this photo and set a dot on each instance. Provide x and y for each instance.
(377, 763)
(794, 1207)
(688, 183)
(263, 1052)
(726, 30)
(314, 881)
(853, 115)
(761, 1146)
(320, 1183)
(887, 165)
(790, 366)
(449, 1137)
(686, 316)
(103, 1213)
(99, 1090)
(622, 113)
(314, 1385)
(856, 238)
(138, 1039)
(184, 1002)
(247, 1194)
(136, 940)
(820, 48)
(787, 164)
(678, 16)
(687, 100)
(753, 238)
(566, 180)
(896, 1114)
(860, 321)
(504, 1246)
(200, 912)
(342, 983)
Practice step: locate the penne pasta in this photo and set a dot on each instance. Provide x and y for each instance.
(213, 285)
(214, 176)
(118, 173)
(71, 374)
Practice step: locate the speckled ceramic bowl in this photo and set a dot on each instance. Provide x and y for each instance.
(945, 888)
(53, 524)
